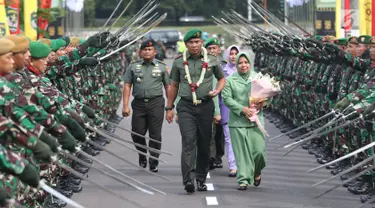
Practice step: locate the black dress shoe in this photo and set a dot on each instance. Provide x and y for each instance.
(154, 169)
(350, 184)
(70, 179)
(81, 169)
(75, 188)
(91, 152)
(189, 187)
(348, 175)
(218, 165)
(86, 159)
(333, 166)
(53, 202)
(64, 188)
(324, 160)
(242, 187)
(365, 198)
(353, 188)
(143, 163)
(257, 182)
(211, 165)
(201, 186)
(364, 189)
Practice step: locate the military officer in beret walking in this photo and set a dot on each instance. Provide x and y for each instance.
(192, 77)
(217, 142)
(148, 76)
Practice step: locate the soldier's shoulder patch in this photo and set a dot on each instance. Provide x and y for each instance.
(134, 62)
(161, 62)
(179, 56)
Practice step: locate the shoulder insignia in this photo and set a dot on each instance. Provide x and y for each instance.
(161, 62)
(133, 62)
(179, 56)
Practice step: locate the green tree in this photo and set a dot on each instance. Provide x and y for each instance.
(89, 12)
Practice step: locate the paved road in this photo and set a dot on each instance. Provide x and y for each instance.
(285, 183)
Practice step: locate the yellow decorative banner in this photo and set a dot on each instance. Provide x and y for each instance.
(4, 28)
(30, 18)
(365, 17)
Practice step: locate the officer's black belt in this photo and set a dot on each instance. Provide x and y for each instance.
(186, 99)
(146, 100)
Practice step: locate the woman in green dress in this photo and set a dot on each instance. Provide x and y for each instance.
(247, 139)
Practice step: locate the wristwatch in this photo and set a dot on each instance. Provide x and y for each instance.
(168, 109)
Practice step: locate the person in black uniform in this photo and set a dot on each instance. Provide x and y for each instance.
(148, 76)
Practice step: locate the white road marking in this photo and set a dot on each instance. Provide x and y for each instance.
(208, 175)
(210, 186)
(211, 200)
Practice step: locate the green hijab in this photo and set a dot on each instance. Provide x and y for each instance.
(247, 56)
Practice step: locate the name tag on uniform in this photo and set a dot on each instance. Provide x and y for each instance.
(138, 70)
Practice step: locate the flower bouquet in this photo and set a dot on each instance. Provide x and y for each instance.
(263, 87)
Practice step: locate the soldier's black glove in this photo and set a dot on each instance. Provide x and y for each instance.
(89, 111)
(351, 113)
(97, 40)
(4, 196)
(42, 151)
(30, 176)
(50, 141)
(88, 61)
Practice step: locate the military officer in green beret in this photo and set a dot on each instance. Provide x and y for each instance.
(192, 77)
(363, 46)
(342, 43)
(147, 76)
(217, 142)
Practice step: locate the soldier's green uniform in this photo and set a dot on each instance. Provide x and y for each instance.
(217, 141)
(195, 120)
(148, 79)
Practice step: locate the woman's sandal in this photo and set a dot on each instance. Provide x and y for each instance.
(257, 182)
(242, 187)
(232, 173)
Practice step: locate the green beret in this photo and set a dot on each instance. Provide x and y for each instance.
(212, 41)
(148, 43)
(341, 41)
(39, 49)
(66, 39)
(353, 40)
(318, 37)
(194, 33)
(364, 39)
(56, 44)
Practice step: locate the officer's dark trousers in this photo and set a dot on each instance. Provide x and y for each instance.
(195, 123)
(217, 144)
(148, 115)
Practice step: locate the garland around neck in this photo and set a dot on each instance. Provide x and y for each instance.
(194, 86)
